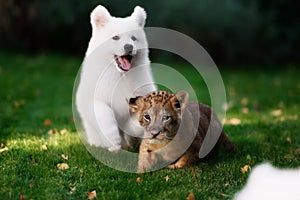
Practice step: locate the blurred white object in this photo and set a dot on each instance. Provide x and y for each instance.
(267, 182)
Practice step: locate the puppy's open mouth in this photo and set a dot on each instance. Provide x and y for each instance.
(124, 62)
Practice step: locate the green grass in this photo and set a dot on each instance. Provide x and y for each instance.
(39, 87)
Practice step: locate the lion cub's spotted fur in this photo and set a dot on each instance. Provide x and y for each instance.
(160, 113)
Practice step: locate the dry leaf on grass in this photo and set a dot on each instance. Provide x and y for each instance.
(50, 132)
(245, 101)
(139, 179)
(65, 157)
(19, 103)
(44, 147)
(63, 131)
(3, 149)
(72, 190)
(62, 166)
(47, 122)
(245, 110)
(223, 195)
(276, 113)
(31, 184)
(167, 178)
(191, 196)
(245, 169)
(91, 195)
(234, 121)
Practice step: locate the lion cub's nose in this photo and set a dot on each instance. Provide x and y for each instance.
(155, 132)
(128, 48)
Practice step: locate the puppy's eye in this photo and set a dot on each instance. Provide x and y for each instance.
(116, 37)
(133, 38)
(147, 117)
(166, 118)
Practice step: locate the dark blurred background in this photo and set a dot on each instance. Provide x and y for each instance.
(234, 32)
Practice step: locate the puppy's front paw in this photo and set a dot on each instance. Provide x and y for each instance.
(114, 148)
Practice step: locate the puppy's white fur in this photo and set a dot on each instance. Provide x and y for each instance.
(104, 88)
(267, 182)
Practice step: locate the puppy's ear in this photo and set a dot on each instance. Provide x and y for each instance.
(135, 104)
(179, 100)
(99, 17)
(140, 15)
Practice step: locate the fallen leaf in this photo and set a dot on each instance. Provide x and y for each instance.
(63, 131)
(43, 147)
(65, 157)
(139, 179)
(245, 169)
(47, 122)
(31, 184)
(245, 101)
(234, 121)
(276, 113)
(223, 195)
(91, 195)
(191, 196)
(3, 149)
(72, 190)
(17, 104)
(62, 166)
(50, 132)
(167, 178)
(288, 139)
(245, 110)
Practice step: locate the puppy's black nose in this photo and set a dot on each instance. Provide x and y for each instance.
(128, 48)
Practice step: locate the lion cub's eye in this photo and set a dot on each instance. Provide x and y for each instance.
(166, 118)
(133, 38)
(116, 37)
(147, 117)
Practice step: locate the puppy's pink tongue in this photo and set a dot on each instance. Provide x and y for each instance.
(124, 62)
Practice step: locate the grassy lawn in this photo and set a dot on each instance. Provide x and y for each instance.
(36, 128)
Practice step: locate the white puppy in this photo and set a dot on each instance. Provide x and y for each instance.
(116, 67)
(267, 182)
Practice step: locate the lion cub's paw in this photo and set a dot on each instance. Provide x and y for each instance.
(178, 165)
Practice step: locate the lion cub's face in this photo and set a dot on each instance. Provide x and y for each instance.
(159, 113)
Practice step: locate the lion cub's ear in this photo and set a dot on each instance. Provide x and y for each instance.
(180, 100)
(135, 103)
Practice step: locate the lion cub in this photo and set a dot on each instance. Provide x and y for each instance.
(173, 129)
